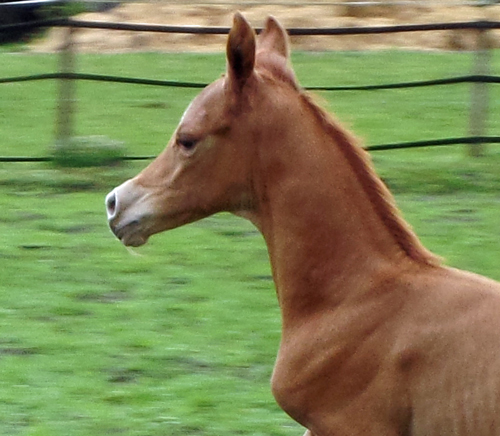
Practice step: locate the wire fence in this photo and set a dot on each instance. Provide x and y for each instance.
(199, 85)
(480, 25)
(479, 81)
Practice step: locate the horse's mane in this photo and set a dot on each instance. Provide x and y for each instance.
(379, 195)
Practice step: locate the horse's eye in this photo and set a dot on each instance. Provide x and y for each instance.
(187, 143)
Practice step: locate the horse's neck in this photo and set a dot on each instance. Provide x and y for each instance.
(320, 226)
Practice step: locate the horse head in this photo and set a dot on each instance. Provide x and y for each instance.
(207, 165)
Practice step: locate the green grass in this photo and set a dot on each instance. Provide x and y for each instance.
(180, 339)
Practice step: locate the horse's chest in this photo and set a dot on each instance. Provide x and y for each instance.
(319, 381)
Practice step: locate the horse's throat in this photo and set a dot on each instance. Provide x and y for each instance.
(318, 242)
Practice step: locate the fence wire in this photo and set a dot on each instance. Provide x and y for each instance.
(482, 25)
(380, 147)
(293, 31)
(182, 84)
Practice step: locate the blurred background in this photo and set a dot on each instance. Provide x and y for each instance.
(180, 336)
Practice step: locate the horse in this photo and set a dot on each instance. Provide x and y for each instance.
(378, 336)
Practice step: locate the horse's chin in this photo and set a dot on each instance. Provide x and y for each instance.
(134, 240)
(131, 235)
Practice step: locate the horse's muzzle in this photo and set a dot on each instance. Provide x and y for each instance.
(126, 211)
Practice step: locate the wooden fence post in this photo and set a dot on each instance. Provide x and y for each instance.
(67, 91)
(479, 105)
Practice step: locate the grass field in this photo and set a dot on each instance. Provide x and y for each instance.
(180, 339)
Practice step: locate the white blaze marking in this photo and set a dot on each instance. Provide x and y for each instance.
(185, 112)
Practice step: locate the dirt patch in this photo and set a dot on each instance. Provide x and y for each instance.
(314, 15)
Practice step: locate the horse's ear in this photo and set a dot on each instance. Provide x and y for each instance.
(240, 50)
(274, 38)
(273, 52)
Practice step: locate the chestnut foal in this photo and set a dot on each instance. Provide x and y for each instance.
(378, 338)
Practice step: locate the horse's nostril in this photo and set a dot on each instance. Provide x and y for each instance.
(111, 204)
